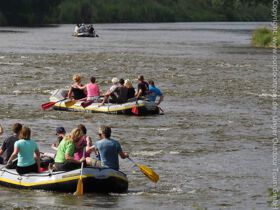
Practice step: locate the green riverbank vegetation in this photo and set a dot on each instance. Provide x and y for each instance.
(40, 12)
(263, 37)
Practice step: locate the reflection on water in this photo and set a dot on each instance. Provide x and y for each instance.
(207, 148)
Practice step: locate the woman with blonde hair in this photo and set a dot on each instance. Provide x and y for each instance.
(130, 89)
(76, 92)
(84, 142)
(64, 159)
(24, 150)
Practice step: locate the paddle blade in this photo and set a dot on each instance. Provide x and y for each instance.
(47, 105)
(80, 187)
(70, 103)
(135, 110)
(86, 103)
(148, 172)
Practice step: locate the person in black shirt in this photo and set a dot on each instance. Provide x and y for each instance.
(8, 145)
(130, 89)
(121, 92)
(76, 92)
(143, 87)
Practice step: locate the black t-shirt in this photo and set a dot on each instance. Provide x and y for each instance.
(144, 86)
(130, 93)
(78, 93)
(122, 94)
(8, 147)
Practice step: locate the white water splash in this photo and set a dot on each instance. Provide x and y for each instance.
(174, 152)
(12, 64)
(148, 153)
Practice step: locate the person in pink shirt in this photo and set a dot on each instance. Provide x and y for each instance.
(84, 143)
(92, 90)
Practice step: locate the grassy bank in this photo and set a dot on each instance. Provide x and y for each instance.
(264, 37)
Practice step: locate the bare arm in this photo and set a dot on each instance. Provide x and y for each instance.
(1, 130)
(81, 87)
(14, 155)
(69, 94)
(37, 158)
(138, 93)
(160, 99)
(1, 152)
(89, 144)
(71, 159)
(54, 147)
(123, 155)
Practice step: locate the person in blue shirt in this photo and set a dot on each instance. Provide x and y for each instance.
(27, 152)
(109, 150)
(154, 92)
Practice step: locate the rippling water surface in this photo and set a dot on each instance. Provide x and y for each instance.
(212, 148)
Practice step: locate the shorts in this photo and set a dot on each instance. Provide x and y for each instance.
(92, 98)
(67, 166)
(94, 163)
(27, 169)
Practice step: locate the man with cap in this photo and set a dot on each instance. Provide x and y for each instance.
(60, 132)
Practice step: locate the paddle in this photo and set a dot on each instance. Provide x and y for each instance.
(148, 172)
(70, 103)
(160, 109)
(80, 185)
(86, 103)
(50, 104)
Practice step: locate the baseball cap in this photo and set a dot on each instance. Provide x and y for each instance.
(60, 130)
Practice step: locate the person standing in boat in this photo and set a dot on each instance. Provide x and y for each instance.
(75, 90)
(154, 92)
(60, 133)
(8, 145)
(130, 89)
(92, 90)
(27, 152)
(64, 159)
(143, 87)
(109, 150)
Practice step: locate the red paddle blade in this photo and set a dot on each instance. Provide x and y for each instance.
(48, 105)
(86, 103)
(135, 110)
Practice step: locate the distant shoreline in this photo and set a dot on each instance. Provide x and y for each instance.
(131, 11)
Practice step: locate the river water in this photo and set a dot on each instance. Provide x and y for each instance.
(212, 148)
